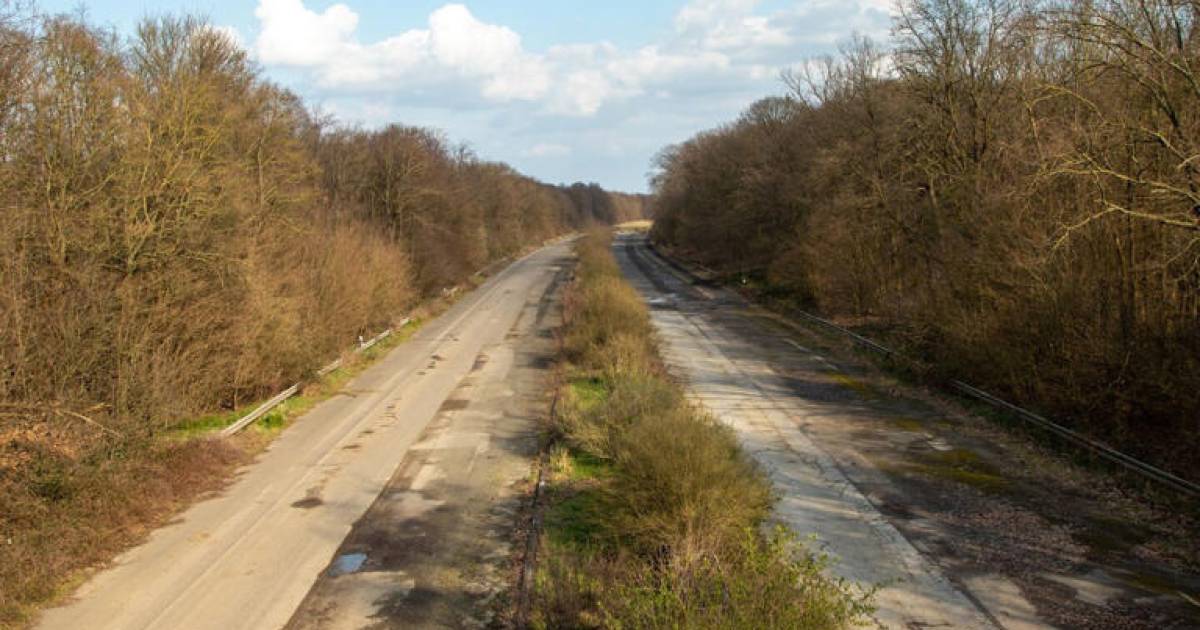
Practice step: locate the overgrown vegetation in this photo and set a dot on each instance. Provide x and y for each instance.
(180, 238)
(1010, 189)
(655, 514)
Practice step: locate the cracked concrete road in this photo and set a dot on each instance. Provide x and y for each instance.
(447, 417)
(434, 551)
(956, 531)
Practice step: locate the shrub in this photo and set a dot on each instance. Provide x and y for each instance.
(670, 535)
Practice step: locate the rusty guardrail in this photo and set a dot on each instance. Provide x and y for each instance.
(278, 399)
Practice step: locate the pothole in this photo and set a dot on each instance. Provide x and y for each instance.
(347, 563)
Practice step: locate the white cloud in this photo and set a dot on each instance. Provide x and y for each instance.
(582, 93)
(230, 33)
(548, 149)
(293, 35)
(455, 46)
(728, 24)
(492, 53)
(458, 53)
(478, 80)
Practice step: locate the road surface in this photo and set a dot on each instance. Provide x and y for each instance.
(445, 423)
(957, 531)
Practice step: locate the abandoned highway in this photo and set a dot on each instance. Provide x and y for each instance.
(394, 503)
(443, 427)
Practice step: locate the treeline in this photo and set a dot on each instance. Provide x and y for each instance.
(1010, 189)
(609, 208)
(179, 235)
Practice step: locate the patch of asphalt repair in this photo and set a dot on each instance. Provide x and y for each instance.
(957, 530)
(437, 545)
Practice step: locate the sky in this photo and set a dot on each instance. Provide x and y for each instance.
(564, 91)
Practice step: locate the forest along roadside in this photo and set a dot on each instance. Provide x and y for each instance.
(247, 558)
(936, 506)
(266, 240)
(435, 549)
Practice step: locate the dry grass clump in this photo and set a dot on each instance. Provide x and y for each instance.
(609, 324)
(761, 583)
(656, 512)
(684, 485)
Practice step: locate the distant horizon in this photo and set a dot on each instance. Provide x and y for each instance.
(563, 93)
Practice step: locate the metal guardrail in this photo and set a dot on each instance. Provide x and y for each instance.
(881, 349)
(1112, 455)
(278, 399)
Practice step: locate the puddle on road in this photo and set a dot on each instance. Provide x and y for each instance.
(347, 563)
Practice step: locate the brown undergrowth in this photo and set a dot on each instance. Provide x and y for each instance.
(62, 513)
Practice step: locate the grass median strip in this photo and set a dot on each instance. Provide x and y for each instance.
(655, 517)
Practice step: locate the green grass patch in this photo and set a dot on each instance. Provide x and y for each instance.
(312, 394)
(959, 466)
(985, 482)
(577, 519)
(908, 424)
(956, 458)
(853, 384)
(577, 485)
(585, 466)
(208, 424)
(588, 392)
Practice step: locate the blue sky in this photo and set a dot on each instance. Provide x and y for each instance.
(564, 91)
